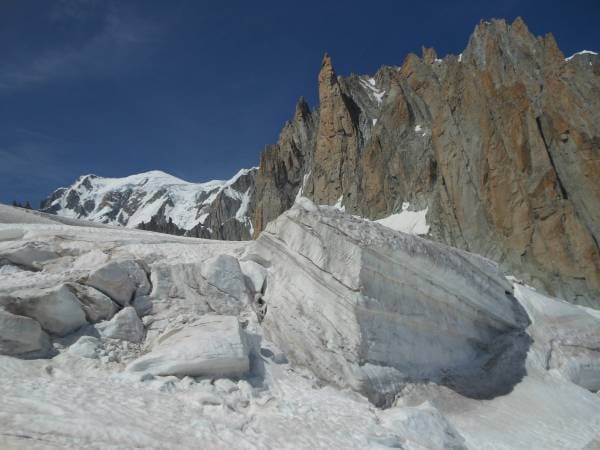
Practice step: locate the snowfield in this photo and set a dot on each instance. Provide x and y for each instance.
(327, 332)
(411, 222)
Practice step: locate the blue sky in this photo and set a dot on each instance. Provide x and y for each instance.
(198, 88)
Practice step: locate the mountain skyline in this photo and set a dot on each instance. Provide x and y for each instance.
(270, 225)
(100, 87)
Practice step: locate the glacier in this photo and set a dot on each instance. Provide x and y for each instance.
(328, 331)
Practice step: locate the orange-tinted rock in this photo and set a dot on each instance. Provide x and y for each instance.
(336, 148)
(282, 167)
(501, 144)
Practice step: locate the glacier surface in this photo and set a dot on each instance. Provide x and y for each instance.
(327, 332)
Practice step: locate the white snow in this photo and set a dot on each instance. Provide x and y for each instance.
(84, 397)
(338, 205)
(582, 52)
(419, 129)
(244, 198)
(370, 84)
(242, 212)
(544, 402)
(202, 217)
(149, 191)
(411, 222)
(301, 190)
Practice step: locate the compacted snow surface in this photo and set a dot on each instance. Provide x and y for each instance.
(200, 306)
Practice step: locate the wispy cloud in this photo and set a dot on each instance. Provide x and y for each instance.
(40, 135)
(30, 161)
(81, 10)
(30, 171)
(122, 35)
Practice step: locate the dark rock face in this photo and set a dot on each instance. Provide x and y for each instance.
(501, 144)
(230, 212)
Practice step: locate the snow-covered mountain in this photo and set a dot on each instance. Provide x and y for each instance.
(409, 146)
(158, 201)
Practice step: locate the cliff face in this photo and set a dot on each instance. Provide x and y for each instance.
(283, 167)
(501, 144)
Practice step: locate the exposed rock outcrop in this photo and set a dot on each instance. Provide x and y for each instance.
(283, 167)
(337, 144)
(501, 144)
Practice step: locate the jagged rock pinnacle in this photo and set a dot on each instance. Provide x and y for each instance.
(327, 74)
(302, 109)
(484, 178)
(429, 54)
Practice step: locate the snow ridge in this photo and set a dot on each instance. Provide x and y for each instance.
(582, 52)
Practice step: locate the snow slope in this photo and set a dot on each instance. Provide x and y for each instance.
(411, 222)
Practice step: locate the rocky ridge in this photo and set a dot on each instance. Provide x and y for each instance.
(498, 147)
(501, 145)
